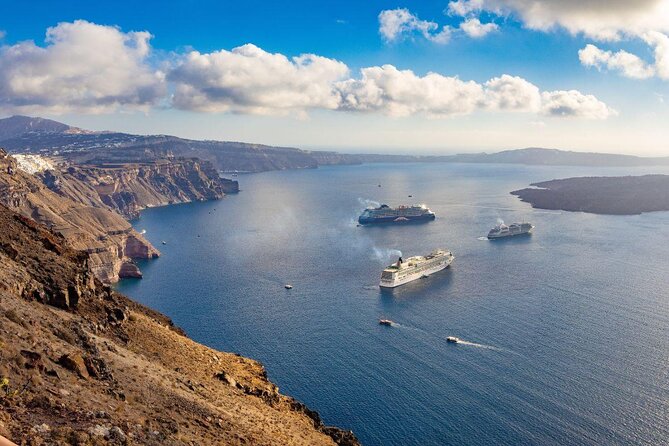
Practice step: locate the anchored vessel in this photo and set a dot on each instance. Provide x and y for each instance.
(503, 230)
(386, 214)
(404, 271)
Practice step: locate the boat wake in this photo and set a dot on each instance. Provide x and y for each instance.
(406, 327)
(474, 344)
(482, 238)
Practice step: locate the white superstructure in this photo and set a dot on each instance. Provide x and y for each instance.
(502, 230)
(404, 271)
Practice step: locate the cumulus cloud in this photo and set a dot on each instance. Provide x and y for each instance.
(627, 64)
(397, 23)
(573, 103)
(84, 67)
(474, 28)
(512, 93)
(660, 43)
(251, 80)
(401, 93)
(601, 20)
(598, 19)
(90, 68)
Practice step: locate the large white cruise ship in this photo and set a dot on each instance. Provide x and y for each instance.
(502, 230)
(404, 271)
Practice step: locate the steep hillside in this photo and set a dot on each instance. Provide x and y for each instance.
(109, 239)
(83, 365)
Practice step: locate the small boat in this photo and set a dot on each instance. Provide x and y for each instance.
(164, 242)
(386, 322)
(410, 196)
(379, 185)
(452, 339)
(288, 286)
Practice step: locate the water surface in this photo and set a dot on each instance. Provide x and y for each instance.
(567, 330)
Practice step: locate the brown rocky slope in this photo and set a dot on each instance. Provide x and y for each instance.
(109, 239)
(83, 365)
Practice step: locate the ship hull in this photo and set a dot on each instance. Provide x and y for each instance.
(395, 219)
(411, 277)
(508, 234)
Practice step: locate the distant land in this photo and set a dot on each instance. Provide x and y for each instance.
(629, 195)
(22, 134)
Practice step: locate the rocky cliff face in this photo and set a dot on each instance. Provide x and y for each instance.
(83, 365)
(110, 240)
(128, 188)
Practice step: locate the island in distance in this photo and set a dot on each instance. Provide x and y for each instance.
(629, 195)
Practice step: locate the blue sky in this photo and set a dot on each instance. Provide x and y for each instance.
(521, 75)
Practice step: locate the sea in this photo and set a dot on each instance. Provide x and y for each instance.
(565, 332)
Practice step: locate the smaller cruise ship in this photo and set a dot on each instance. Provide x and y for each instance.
(503, 230)
(405, 271)
(400, 214)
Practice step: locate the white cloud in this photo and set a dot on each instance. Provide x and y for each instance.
(397, 23)
(251, 80)
(602, 20)
(598, 19)
(627, 64)
(660, 43)
(2, 34)
(89, 68)
(575, 104)
(512, 93)
(84, 67)
(398, 93)
(474, 28)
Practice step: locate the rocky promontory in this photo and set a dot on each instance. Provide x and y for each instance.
(627, 195)
(83, 365)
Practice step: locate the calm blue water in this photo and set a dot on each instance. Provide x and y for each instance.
(569, 328)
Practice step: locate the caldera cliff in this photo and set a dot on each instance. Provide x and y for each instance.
(127, 188)
(106, 236)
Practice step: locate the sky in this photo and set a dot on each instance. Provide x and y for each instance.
(426, 76)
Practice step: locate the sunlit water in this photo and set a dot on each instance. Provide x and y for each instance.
(566, 331)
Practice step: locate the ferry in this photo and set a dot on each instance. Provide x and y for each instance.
(405, 271)
(386, 214)
(502, 230)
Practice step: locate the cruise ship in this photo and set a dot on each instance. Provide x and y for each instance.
(405, 271)
(503, 230)
(386, 214)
